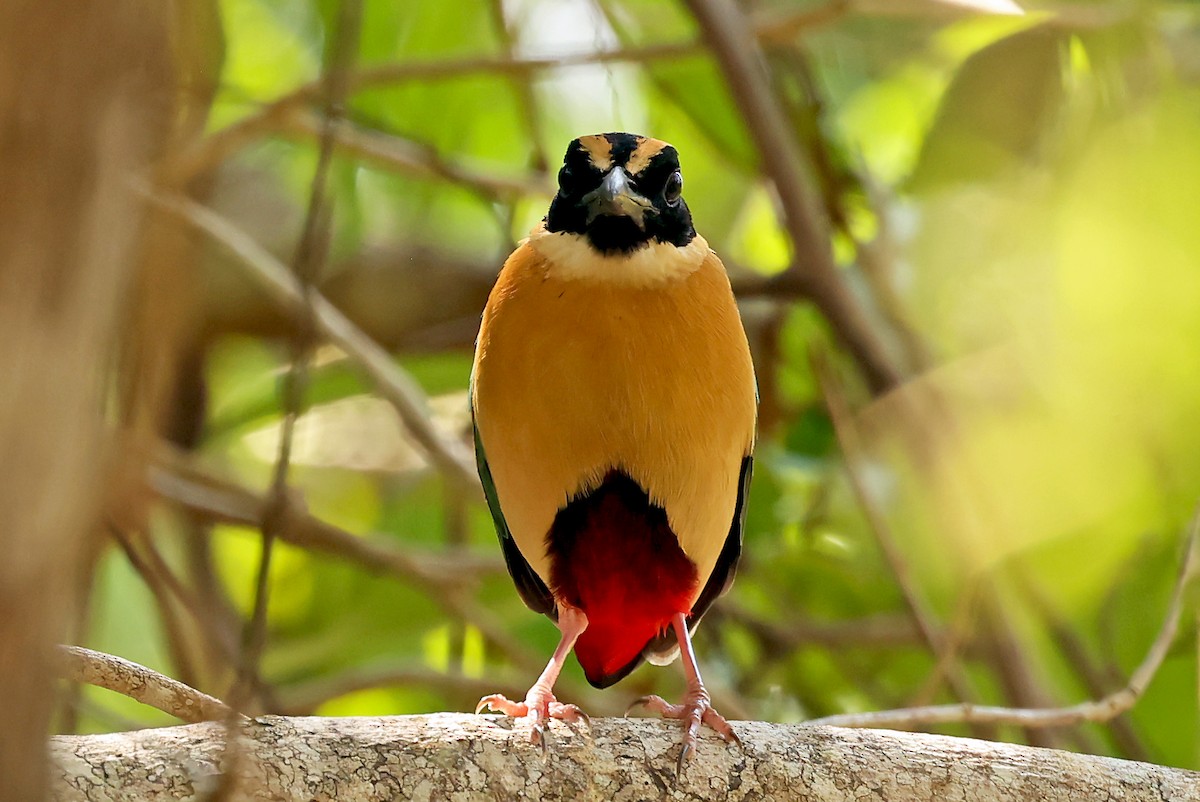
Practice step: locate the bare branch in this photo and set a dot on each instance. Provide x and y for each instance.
(886, 631)
(1100, 710)
(207, 154)
(1078, 658)
(138, 682)
(400, 154)
(161, 589)
(441, 576)
(852, 450)
(311, 253)
(392, 383)
(776, 30)
(446, 756)
(523, 85)
(729, 33)
(177, 479)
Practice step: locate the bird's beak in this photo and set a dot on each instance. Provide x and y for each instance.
(616, 197)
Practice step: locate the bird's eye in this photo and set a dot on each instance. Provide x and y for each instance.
(565, 179)
(673, 188)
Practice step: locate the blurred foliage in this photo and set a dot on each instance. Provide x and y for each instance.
(1029, 185)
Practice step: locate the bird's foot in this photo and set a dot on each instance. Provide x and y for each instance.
(694, 711)
(539, 707)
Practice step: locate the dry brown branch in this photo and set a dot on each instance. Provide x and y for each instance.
(1081, 661)
(729, 33)
(138, 682)
(840, 179)
(440, 575)
(311, 253)
(523, 85)
(207, 154)
(853, 452)
(310, 256)
(175, 478)
(782, 28)
(954, 641)
(172, 628)
(1099, 710)
(886, 631)
(392, 383)
(402, 155)
(382, 291)
(217, 624)
(446, 756)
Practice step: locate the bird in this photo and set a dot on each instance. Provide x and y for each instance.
(614, 407)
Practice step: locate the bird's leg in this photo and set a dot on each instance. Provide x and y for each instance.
(540, 705)
(696, 708)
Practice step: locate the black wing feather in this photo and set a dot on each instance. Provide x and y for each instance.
(533, 590)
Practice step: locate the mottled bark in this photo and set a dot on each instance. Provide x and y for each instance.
(463, 757)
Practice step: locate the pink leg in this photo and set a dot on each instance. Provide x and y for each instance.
(540, 705)
(696, 708)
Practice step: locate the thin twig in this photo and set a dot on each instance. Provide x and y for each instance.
(85, 600)
(852, 451)
(310, 255)
(839, 180)
(729, 33)
(787, 26)
(138, 682)
(392, 383)
(172, 629)
(209, 153)
(1094, 678)
(953, 640)
(886, 631)
(523, 86)
(441, 576)
(403, 155)
(174, 477)
(1099, 710)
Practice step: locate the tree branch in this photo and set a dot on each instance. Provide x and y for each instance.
(441, 576)
(731, 36)
(176, 479)
(396, 153)
(138, 682)
(210, 152)
(923, 616)
(454, 756)
(1098, 710)
(392, 383)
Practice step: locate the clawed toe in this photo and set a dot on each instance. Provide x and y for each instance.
(497, 703)
(571, 715)
(641, 701)
(717, 723)
(538, 708)
(695, 711)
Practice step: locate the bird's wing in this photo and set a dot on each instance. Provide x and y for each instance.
(533, 590)
(663, 649)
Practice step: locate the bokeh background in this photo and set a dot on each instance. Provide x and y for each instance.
(1011, 203)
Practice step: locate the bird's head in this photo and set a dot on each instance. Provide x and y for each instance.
(622, 192)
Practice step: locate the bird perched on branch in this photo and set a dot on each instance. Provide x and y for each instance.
(614, 404)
